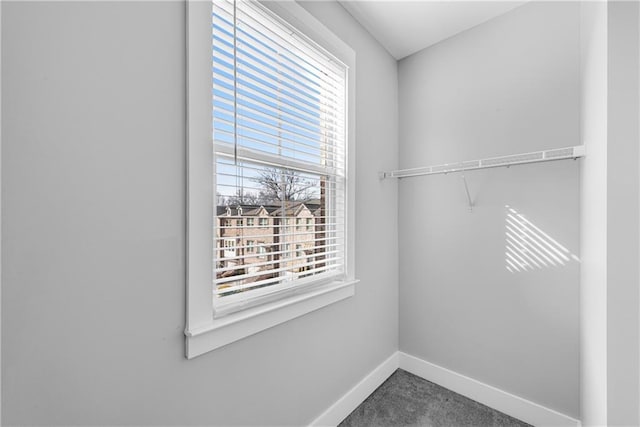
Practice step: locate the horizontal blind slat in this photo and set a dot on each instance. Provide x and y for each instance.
(283, 38)
(322, 272)
(246, 289)
(282, 260)
(313, 155)
(251, 87)
(268, 159)
(261, 21)
(261, 126)
(257, 44)
(231, 279)
(227, 166)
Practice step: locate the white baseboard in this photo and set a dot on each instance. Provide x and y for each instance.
(493, 397)
(354, 397)
(502, 401)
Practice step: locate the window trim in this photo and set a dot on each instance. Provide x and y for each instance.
(204, 332)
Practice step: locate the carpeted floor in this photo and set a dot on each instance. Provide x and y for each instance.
(407, 400)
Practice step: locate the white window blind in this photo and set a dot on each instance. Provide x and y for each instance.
(279, 130)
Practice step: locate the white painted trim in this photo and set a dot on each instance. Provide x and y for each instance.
(0, 213)
(354, 397)
(493, 397)
(235, 326)
(199, 209)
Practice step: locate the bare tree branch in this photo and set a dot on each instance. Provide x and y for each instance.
(284, 185)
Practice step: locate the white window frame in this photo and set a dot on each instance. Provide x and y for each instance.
(204, 332)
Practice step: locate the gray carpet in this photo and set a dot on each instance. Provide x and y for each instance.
(407, 400)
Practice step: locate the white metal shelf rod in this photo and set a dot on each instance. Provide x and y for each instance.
(493, 162)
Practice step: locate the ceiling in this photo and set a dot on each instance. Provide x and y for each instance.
(405, 27)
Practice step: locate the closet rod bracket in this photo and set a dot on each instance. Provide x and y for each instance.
(466, 189)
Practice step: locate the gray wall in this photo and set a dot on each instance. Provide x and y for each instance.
(511, 85)
(93, 224)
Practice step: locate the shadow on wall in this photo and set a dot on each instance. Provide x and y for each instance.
(529, 248)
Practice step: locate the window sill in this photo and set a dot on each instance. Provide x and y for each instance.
(236, 326)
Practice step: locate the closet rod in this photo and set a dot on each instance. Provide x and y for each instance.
(493, 162)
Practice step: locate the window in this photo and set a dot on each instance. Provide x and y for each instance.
(309, 224)
(229, 248)
(281, 109)
(279, 135)
(262, 251)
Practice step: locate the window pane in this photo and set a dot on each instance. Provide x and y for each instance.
(281, 200)
(279, 142)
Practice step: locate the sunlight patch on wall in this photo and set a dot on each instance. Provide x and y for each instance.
(529, 248)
